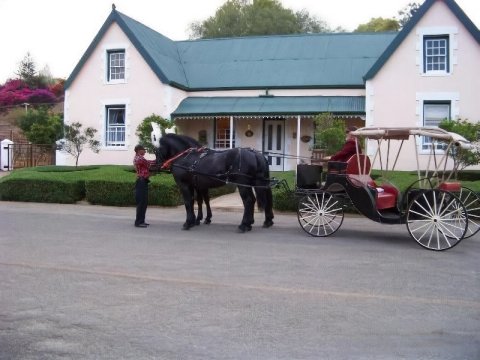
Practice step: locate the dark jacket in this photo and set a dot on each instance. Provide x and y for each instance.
(348, 149)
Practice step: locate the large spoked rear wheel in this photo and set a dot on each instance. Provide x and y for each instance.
(471, 201)
(320, 214)
(437, 219)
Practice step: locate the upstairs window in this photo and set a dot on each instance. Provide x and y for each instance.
(116, 65)
(436, 54)
(433, 113)
(115, 126)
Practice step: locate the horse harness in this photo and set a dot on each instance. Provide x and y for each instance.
(204, 152)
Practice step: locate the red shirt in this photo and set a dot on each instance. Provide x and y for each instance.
(349, 149)
(142, 166)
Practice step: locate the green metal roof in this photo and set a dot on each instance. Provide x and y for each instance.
(270, 105)
(337, 60)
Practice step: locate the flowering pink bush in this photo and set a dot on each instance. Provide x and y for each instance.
(16, 92)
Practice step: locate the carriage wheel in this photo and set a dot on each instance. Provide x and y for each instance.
(437, 219)
(320, 214)
(471, 201)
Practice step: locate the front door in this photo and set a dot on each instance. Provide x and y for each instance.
(274, 143)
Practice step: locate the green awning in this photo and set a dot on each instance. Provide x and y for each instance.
(270, 105)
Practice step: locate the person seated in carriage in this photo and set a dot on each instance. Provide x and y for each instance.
(348, 149)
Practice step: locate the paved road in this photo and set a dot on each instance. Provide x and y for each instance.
(80, 282)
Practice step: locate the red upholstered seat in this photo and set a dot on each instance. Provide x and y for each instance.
(358, 170)
(454, 186)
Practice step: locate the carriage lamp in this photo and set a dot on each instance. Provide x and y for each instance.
(249, 132)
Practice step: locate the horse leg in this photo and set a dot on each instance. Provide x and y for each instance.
(200, 207)
(268, 208)
(188, 199)
(206, 198)
(248, 199)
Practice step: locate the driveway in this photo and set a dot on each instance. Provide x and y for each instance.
(81, 282)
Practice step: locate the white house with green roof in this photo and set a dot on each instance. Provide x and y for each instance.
(264, 91)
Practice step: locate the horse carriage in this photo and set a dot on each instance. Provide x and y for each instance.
(437, 210)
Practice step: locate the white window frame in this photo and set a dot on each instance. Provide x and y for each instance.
(440, 45)
(112, 48)
(224, 138)
(426, 141)
(119, 145)
(116, 65)
(435, 97)
(449, 32)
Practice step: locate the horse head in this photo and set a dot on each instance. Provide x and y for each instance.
(156, 134)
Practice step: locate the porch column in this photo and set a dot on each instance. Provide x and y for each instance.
(231, 132)
(298, 139)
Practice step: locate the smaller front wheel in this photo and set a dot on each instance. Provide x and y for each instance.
(437, 219)
(320, 214)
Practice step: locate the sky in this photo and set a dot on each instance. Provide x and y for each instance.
(57, 32)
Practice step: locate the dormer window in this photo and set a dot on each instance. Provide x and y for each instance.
(116, 66)
(436, 54)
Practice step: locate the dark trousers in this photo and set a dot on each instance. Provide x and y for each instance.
(141, 198)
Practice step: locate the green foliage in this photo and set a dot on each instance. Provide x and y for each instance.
(470, 131)
(74, 140)
(144, 130)
(260, 17)
(103, 185)
(379, 25)
(27, 70)
(407, 12)
(329, 133)
(41, 126)
(41, 190)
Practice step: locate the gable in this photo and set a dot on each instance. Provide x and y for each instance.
(453, 7)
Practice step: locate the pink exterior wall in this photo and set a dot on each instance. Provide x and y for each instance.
(395, 95)
(87, 96)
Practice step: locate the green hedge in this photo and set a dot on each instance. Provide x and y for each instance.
(47, 191)
(99, 185)
(114, 185)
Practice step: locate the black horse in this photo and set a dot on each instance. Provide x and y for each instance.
(201, 169)
(202, 195)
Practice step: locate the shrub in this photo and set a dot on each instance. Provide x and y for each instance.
(42, 190)
(162, 191)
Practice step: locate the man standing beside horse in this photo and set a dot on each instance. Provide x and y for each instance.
(142, 168)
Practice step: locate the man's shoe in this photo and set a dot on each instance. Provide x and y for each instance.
(146, 224)
(141, 225)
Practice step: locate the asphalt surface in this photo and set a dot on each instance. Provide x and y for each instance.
(81, 282)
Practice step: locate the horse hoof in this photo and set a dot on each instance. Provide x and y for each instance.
(268, 224)
(186, 226)
(244, 228)
(207, 221)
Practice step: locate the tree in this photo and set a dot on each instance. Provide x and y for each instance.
(470, 131)
(27, 70)
(75, 139)
(259, 17)
(329, 133)
(378, 25)
(40, 126)
(406, 13)
(144, 130)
